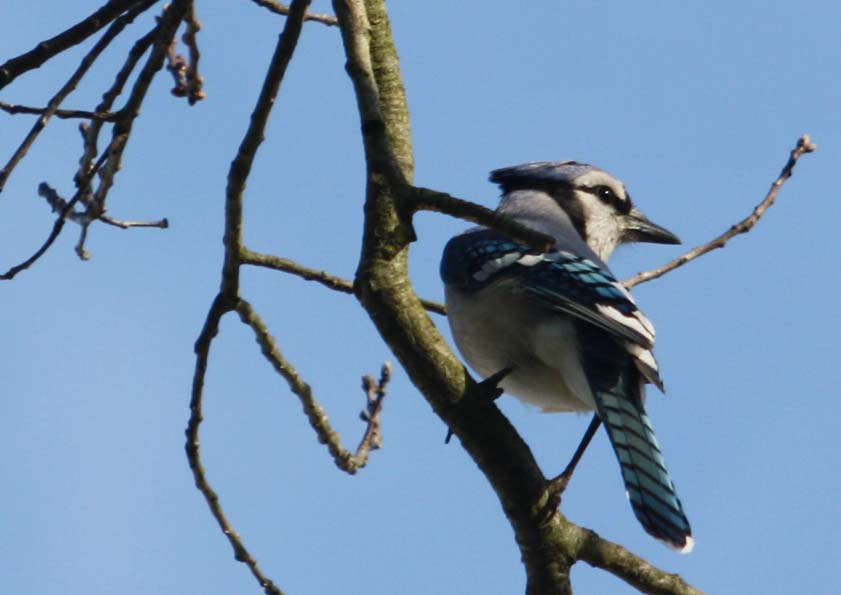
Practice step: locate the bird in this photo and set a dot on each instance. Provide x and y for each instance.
(555, 328)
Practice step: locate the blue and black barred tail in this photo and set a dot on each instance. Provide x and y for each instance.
(650, 489)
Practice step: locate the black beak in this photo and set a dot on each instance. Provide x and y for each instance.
(639, 229)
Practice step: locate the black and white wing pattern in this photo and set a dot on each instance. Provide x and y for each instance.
(561, 280)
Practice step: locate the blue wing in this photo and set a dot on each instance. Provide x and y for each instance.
(561, 280)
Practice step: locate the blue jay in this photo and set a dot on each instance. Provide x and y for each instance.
(568, 334)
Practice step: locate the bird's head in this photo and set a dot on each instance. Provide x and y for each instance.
(596, 204)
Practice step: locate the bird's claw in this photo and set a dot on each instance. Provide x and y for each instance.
(487, 391)
(555, 488)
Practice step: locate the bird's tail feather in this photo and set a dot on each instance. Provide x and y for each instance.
(650, 489)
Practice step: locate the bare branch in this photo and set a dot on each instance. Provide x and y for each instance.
(194, 79)
(384, 290)
(282, 9)
(218, 309)
(161, 223)
(333, 282)
(374, 393)
(64, 114)
(287, 265)
(804, 145)
(76, 34)
(615, 559)
(344, 459)
(57, 203)
(58, 225)
(90, 134)
(113, 31)
(241, 165)
(188, 81)
(109, 163)
(228, 297)
(441, 202)
(167, 26)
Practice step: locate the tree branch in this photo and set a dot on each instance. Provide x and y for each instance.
(344, 459)
(167, 28)
(113, 31)
(188, 81)
(229, 299)
(375, 394)
(441, 202)
(90, 133)
(548, 547)
(241, 165)
(282, 9)
(59, 223)
(384, 290)
(64, 114)
(287, 265)
(76, 34)
(804, 145)
(615, 559)
(218, 309)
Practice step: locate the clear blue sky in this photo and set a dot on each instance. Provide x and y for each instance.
(694, 105)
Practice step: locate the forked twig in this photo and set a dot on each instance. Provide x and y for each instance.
(804, 145)
(343, 458)
(59, 223)
(374, 394)
(113, 31)
(218, 309)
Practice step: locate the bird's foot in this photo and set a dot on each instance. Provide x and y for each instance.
(487, 391)
(555, 488)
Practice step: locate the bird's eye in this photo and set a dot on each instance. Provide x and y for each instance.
(605, 193)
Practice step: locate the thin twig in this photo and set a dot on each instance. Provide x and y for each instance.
(57, 203)
(167, 27)
(58, 225)
(228, 297)
(161, 38)
(113, 31)
(76, 34)
(193, 78)
(64, 114)
(282, 9)
(177, 67)
(333, 282)
(244, 159)
(106, 174)
(161, 223)
(374, 395)
(342, 457)
(90, 134)
(218, 309)
(441, 202)
(804, 145)
(110, 158)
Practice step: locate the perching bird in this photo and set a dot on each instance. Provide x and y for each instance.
(570, 336)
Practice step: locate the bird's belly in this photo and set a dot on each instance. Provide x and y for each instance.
(544, 388)
(545, 370)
